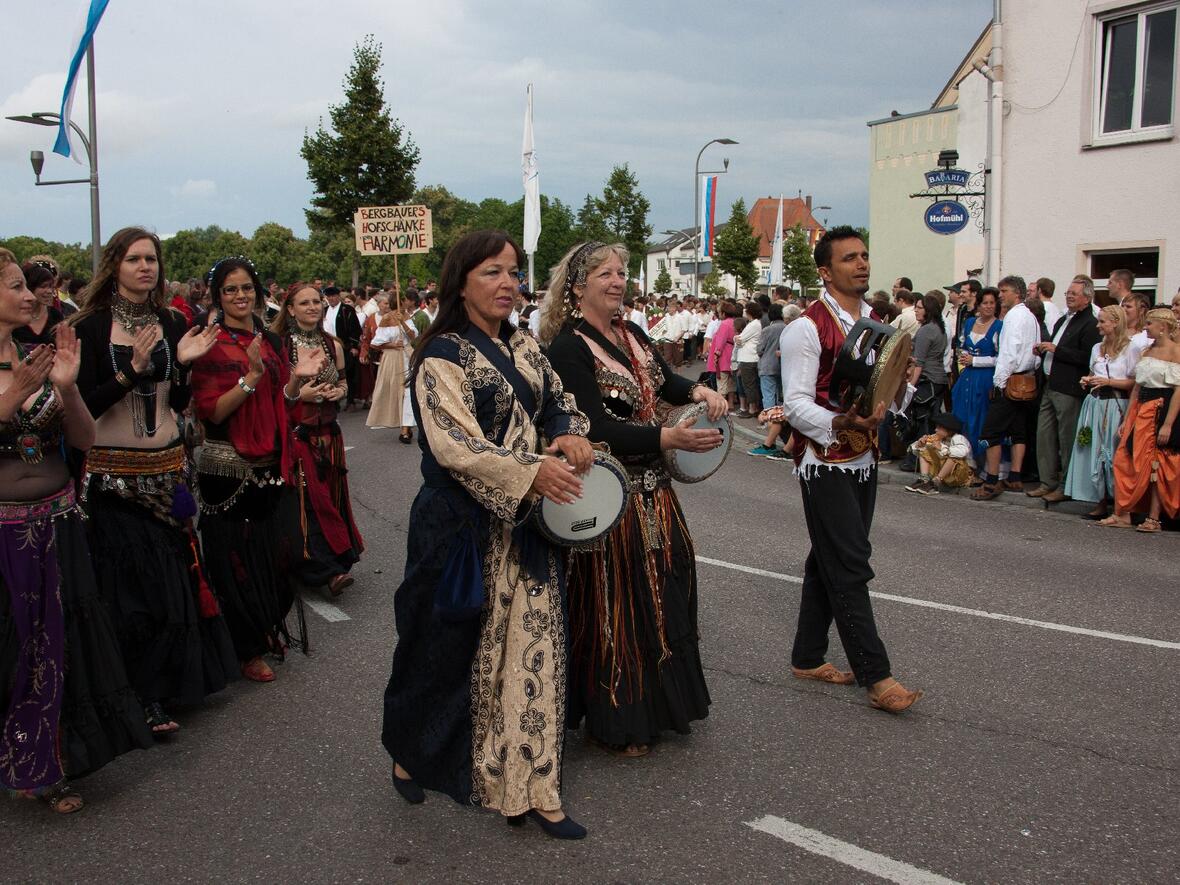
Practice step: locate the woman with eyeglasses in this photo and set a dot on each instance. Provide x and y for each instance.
(134, 377)
(249, 510)
(332, 543)
(475, 705)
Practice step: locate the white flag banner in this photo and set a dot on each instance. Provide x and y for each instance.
(532, 182)
(81, 44)
(775, 277)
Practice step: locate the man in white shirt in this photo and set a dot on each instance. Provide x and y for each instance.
(1136, 305)
(1042, 290)
(1007, 417)
(674, 334)
(836, 462)
(907, 320)
(638, 315)
(332, 296)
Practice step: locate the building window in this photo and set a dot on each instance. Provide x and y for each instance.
(1136, 75)
(661, 265)
(1143, 263)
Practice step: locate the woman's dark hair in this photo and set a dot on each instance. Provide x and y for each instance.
(754, 309)
(223, 269)
(467, 254)
(933, 312)
(984, 293)
(775, 312)
(730, 309)
(38, 275)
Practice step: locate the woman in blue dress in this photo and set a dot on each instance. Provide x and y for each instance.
(977, 360)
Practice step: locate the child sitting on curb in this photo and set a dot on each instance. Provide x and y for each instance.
(944, 457)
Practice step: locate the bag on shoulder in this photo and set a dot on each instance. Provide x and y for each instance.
(1021, 387)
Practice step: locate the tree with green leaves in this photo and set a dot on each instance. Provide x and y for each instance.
(70, 258)
(799, 260)
(276, 252)
(735, 250)
(624, 213)
(590, 224)
(711, 284)
(364, 160)
(663, 283)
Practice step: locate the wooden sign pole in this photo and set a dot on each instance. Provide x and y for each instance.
(397, 284)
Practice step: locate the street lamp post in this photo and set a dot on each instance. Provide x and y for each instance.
(696, 202)
(37, 159)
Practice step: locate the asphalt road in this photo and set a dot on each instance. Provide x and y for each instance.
(1041, 752)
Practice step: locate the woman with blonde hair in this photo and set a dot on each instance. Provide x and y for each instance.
(635, 668)
(1147, 463)
(394, 340)
(1109, 383)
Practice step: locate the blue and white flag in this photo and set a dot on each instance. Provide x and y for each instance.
(774, 274)
(85, 35)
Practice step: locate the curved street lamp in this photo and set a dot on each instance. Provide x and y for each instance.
(696, 202)
(37, 159)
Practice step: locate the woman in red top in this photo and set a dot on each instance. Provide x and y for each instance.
(332, 544)
(249, 515)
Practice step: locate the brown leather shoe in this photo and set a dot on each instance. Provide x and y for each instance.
(1055, 497)
(1011, 485)
(825, 673)
(895, 699)
(986, 492)
(1039, 492)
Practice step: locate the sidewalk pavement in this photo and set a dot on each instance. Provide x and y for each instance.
(747, 428)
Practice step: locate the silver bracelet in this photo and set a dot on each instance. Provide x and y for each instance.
(246, 387)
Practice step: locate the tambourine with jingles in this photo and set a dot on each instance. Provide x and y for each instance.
(870, 368)
(605, 491)
(696, 466)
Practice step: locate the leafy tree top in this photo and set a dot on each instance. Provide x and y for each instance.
(364, 160)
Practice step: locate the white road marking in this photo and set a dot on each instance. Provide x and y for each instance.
(325, 610)
(960, 610)
(846, 853)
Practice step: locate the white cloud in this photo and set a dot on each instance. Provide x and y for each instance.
(195, 188)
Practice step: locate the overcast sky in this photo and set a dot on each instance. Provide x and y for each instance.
(202, 105)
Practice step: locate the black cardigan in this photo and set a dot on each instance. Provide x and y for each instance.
(574, 363)
(96, 375)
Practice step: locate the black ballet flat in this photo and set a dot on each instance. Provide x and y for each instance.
(566, 828)
(405, 438)
(515, 820)
(409, 790)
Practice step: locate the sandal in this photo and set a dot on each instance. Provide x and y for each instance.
(986, 492)
(895, 699)
(257, 670)
(824, 673)
(630, 751)
(161, 724)
(406, 438)
(1149, 526)
(337, 585)
(62, 798)
(1114, 522)
(1011, 485)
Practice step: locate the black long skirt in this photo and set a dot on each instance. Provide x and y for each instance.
(100, 715)
(635, 668)
(146, 575)
(251, 552)
(427, 719)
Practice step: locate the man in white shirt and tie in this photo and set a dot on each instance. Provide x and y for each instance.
(1007, 417)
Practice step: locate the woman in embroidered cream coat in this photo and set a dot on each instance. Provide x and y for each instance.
(475, 705)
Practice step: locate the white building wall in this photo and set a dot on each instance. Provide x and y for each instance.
(972, 147)
(1062, 198)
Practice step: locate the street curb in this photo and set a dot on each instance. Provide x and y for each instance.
(892, 476)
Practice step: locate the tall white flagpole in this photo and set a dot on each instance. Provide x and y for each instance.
(532, 189)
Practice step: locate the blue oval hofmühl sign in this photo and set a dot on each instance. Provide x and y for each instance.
(947, 217)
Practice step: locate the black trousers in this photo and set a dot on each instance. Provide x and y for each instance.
(838, 506)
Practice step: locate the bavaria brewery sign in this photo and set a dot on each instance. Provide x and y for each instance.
(947, 217)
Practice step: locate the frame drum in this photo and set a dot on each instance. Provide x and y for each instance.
(605, 493)
(695, 466)
(870, 368)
